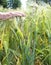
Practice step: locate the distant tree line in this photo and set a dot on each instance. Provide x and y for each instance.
(10, 3)
(46, 1)
(40, 0)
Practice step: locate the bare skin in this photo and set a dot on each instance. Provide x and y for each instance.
(7, 15)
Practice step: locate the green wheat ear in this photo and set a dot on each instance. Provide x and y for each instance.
(19, 32)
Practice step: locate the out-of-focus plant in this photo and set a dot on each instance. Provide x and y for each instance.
(9, 3)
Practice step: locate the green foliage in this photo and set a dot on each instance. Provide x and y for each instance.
(3, 2)
(16, 3)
